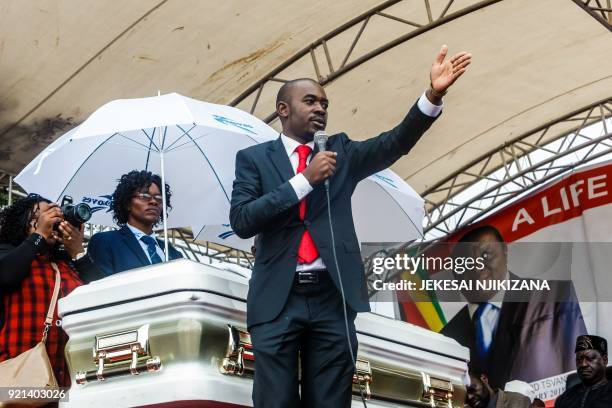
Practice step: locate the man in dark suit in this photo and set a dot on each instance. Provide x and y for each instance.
(301, 301)
(594, 390)
(137, 208)
(507, 333)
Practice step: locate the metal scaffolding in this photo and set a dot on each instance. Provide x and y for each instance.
(523, 164)
(327, 69)
(330, 70)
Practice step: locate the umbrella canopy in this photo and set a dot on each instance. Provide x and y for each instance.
(385, 209)
(192, 144)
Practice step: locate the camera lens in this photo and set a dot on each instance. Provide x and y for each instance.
(82, 212)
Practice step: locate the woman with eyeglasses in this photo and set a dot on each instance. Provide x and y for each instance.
(137, 209)
(33, 237)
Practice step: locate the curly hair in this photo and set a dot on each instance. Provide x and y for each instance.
(130, 184)
(15, 219)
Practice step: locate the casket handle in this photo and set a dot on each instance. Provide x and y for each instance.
(121, 353)
(362, 378)
(437, 390)
(239, 349)
(152, 364)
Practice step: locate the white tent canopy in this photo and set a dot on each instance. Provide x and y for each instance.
(534, 61)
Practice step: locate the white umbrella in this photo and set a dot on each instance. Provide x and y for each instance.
(190, 143)
(385, 209)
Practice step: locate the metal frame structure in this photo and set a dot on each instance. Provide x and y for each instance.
(331, 70)
(526, 162)
(600, 10)
(448, 214)
(335, 69)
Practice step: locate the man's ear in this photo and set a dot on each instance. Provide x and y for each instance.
(282, 109)
(605, 360)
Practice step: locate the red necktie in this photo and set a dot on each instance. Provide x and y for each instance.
(307, 251)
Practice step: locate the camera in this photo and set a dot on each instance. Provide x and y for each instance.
(75, 214)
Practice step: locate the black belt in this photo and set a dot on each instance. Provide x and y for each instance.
(309, 277)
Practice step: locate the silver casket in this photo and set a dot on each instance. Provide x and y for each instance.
(174, 334)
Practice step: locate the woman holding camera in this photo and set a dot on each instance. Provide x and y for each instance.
(34, 238)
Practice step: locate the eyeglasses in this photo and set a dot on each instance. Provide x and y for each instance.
(148, 197)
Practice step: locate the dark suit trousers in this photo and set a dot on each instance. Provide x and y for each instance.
(311, 324)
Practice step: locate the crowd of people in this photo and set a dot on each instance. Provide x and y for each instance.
(35, 238)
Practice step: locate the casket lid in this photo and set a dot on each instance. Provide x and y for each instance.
(155, 280)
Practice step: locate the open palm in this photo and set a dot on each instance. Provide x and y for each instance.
(444, 73)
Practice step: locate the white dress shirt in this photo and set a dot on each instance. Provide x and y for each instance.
(302, 187)
(490, 317)
(139, 234)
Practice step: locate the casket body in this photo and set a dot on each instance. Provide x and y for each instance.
(173, 335)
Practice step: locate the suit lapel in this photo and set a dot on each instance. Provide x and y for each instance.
(130, 241)
(280, 160)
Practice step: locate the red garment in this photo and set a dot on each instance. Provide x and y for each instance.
(25, 311)
(307, 251)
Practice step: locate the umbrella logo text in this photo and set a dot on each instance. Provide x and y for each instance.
(100, 203)
(228, 121)
(386, 180)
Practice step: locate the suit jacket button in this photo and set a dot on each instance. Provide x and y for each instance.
(307, 223)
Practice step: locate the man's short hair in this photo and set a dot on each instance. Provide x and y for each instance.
(283, 92)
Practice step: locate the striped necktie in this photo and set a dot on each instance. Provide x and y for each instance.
(151, 249)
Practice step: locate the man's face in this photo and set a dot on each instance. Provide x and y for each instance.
(145, 210)
(486, 246)
(591, 366)
(478, 395)
(305, 111)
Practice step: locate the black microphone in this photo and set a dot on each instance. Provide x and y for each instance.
(320, 139)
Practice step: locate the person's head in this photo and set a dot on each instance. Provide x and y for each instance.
(479, 392)
(19, 220)
(301, 105)
(137, 200)
(486, 243)
(538, 403)
(591, 358)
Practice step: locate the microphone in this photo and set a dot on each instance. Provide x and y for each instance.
(320, 139)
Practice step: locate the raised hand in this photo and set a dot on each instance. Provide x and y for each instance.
(444, 73)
